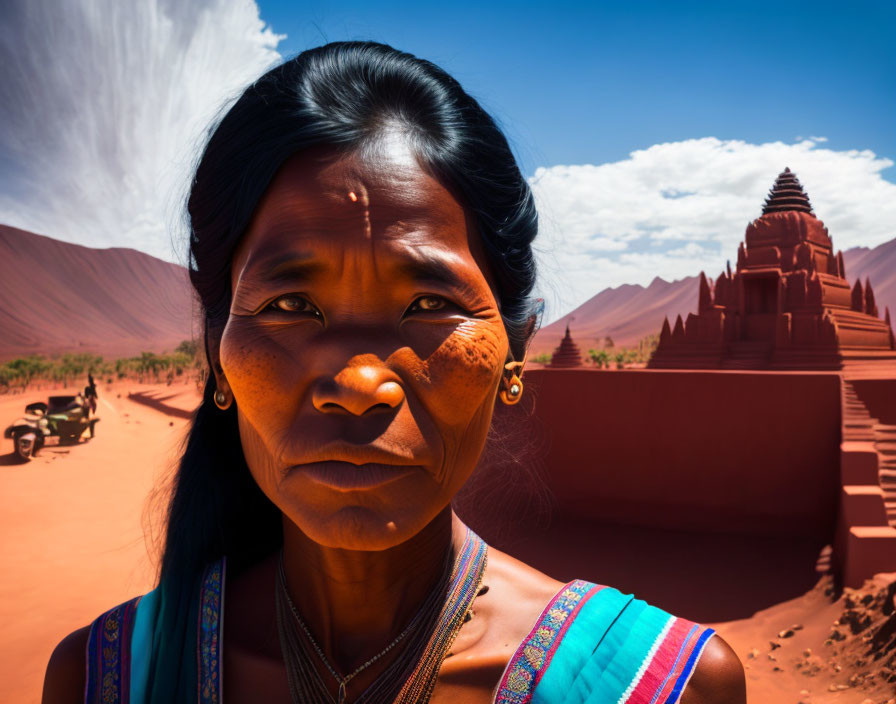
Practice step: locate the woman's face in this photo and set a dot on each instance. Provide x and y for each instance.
(364, 346)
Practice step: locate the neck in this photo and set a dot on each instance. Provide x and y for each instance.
(355, 602)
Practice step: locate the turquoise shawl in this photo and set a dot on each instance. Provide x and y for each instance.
(590, 645)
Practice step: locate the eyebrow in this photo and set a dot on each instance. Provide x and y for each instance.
(425, 268)
(295, 267)
(285, 267)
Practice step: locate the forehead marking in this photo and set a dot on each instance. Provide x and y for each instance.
(365, 201)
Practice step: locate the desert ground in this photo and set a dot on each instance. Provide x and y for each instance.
(77, 522)
(80, 524)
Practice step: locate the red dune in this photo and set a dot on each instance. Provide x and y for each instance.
(630, 312)
(60, 297)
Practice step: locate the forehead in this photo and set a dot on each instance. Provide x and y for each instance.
(379, 201)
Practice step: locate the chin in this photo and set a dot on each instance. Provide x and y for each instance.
(362, 528)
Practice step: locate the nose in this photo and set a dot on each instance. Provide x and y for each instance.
(364, 386)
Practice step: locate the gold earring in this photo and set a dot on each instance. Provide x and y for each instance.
(221, 400)
(513, 388)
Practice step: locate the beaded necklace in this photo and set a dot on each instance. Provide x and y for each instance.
(411, 677)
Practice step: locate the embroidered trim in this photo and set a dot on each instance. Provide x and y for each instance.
(211, 613)
(109, 656)
(534, 655)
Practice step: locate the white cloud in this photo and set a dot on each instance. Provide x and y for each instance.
(673, 209)
(103, 108)
(103, 105)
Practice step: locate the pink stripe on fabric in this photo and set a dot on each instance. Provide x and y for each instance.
(687, 647)
(663, 661)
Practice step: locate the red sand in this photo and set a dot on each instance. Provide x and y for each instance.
(73, 525)
(74, 522)
(790, 656)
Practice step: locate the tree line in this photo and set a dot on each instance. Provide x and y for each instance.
(71, 369)
(608, 355)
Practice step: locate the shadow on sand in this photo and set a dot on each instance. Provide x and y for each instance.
(158, 403)
(11, 459)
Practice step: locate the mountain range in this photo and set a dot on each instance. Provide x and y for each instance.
(631, 312)
(60, 297)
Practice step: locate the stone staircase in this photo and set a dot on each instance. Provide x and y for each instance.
(747, 355)
(858, 425)
(885, 444)
(866, 532)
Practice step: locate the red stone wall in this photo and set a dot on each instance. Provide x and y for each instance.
(710, 493)
(747, 452)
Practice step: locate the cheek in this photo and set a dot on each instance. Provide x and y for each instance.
(464, 371)
(259, 369)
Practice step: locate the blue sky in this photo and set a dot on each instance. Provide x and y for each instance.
(576, 83)
(649, 131)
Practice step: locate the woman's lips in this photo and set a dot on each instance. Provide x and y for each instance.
(347, 476)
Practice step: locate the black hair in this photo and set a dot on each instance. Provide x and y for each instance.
(343, 95)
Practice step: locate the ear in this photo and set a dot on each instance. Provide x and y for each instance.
(213, 355)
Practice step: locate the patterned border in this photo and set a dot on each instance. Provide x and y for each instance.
(109, 656)
(211, 614)
(534, 654)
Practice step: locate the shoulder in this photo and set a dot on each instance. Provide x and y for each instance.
(509, 602)
(65, 678)
(518, 583)
(718, 677)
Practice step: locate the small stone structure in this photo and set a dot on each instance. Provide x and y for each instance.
(567, 355)
(787, 305)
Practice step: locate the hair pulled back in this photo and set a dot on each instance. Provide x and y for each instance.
(344, 95)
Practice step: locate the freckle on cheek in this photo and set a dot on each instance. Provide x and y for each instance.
(470, 353)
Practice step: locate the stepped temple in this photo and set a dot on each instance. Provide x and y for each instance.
(787, 305)
(567, 354)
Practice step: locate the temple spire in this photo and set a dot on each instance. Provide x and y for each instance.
(704, 300)
(787, 194)
(666, 331)
(890, 328)
(858, 297)
(870, 305)
(678, 330)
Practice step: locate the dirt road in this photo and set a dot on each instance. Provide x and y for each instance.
(73, 522)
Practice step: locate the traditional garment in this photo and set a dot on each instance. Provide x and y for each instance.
(591, 645)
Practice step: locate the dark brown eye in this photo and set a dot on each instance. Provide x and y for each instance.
(291, 303)
(428, 303)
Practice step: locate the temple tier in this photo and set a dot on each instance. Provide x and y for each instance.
(787, 305)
